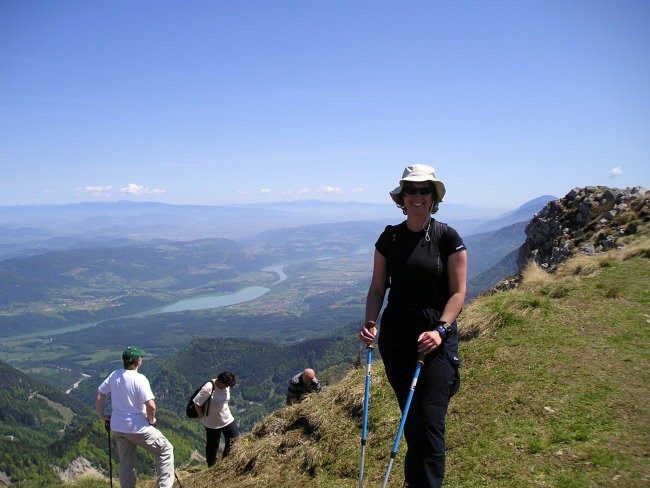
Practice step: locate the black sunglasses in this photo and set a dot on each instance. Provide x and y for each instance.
(411, 190)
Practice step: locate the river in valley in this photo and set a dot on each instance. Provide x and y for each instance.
(196, 303)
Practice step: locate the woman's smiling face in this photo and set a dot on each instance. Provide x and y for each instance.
(418, 197)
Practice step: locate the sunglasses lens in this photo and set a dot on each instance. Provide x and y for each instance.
(422, 191)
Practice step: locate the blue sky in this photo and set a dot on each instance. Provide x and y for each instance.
(216, 102)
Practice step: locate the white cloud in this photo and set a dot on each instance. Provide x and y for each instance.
(135, 189)
(617, 171)
(265, 191)
(302, 191)
(357, 190)
(287, 192)
(94, 191)
(331, 189)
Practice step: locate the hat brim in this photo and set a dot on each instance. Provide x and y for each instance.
(440, 187)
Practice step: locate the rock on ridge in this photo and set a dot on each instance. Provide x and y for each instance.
(79, 466)
(587, 220)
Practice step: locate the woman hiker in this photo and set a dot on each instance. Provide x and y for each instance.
(424, 263)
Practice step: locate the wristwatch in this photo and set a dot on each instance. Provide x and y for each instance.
(444, 329)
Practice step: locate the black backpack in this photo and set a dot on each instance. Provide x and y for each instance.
(190, 411)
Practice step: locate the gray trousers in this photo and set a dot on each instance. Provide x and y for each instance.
(151, 440)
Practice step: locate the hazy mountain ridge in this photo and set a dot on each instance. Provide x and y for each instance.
(32, 229)
(522, 213)
(486, 249)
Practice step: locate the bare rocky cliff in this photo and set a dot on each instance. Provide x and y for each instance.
(587, 220)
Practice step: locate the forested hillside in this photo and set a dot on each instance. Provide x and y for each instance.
(33, 415)
(263, 369)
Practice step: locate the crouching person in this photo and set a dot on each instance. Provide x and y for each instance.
(133, 420)
(301, 384)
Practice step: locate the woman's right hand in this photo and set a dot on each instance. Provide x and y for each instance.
(367, 333)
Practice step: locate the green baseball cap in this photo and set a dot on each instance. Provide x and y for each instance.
(131, 353)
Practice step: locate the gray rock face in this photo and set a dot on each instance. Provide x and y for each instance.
(79, 466)
(587, 220)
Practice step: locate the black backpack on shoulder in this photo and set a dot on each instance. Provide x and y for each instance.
(190, 411)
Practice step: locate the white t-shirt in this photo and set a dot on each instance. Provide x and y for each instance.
(129, 391)
(219, 413)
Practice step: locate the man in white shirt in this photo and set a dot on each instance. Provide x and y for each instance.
(133, 420)
(211, 404)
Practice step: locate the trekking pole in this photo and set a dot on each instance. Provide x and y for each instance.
(179, 481)
(398, 437)
(107, 425)
(366, 401)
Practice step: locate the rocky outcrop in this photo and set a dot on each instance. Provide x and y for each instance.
(79, 466)
(4, 479)
(587, 220)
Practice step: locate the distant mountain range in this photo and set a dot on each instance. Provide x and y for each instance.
(27, 230)
(521, 214)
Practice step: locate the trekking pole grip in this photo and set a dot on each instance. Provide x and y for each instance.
(370, 324)
(421, 357)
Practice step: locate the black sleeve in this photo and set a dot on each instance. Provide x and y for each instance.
(452, 242)
(385, 241)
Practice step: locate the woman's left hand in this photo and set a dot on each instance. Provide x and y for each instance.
(429, 341)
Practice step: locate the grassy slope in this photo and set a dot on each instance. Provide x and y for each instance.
(554, 394)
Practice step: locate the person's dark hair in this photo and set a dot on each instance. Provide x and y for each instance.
(130, 363)
(434, 195)
(227, 378)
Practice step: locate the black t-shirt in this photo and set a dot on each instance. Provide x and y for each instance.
(417, 268)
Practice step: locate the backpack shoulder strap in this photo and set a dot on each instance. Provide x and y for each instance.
(439, 229)
(207, 402)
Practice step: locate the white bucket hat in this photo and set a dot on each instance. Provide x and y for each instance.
(419, 172)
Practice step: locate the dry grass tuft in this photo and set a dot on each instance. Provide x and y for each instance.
(637, 248)
(92, 479)
(476, 320)
(534, 276)
(520, 304)
(580, 265)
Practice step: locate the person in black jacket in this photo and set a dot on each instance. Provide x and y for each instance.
(424, 263)
(301, 384)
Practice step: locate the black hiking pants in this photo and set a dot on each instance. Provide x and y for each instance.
(213, 436)
(424, 432)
